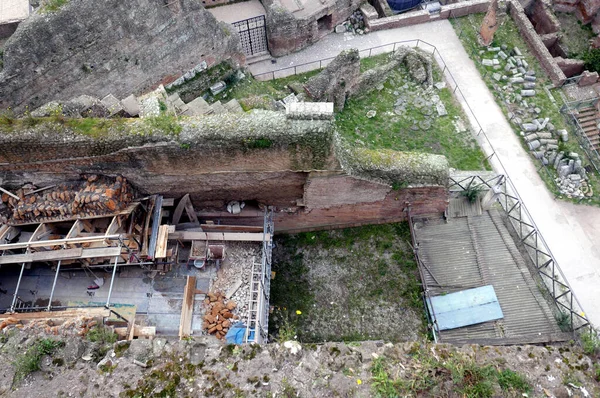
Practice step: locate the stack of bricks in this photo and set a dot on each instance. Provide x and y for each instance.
(94, 197)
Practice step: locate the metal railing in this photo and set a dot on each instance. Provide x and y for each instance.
(572, 80)
(568, 110)
(555, 282)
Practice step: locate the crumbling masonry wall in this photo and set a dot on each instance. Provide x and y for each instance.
(264, 156)
(110, 47)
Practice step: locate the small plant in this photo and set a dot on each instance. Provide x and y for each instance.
(513, 381)
(288, 390)
(53, 5)
(29, 361)
(102, 335)
(564, 321)
(472, 193)
(287, 330)
(381, 383)
(162, 106)
(166, 123)
(590, 342)
(259, 143)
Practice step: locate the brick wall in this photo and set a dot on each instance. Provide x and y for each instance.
(535, 44)
(392, 208)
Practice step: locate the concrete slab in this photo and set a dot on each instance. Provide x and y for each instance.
(238, 12)
(570, 230)
(13, 11)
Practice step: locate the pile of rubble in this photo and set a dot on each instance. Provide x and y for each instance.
(354, 24)
(93, 197)
(516, 83)
(79, 326)
(219, 315)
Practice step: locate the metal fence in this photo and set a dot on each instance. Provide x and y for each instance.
(569, 110)
(554, 281)
(547, 267)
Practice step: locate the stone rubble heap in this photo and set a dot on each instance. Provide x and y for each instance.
(355, 24)
(516, 83)
(93, 197)
(219, 316)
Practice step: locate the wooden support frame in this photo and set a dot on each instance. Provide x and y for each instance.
(156, 219)
(77, 253)
(185, 204)
(57, 242)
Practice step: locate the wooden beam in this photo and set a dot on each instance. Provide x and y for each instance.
(138, 331)
(149, 212)
(179, 209)
(75, 229)
(219, 236)
(38, 233)
(187, 308)
(57, 242)
(189, 209)
(7, 231)
(68, 313)
(156, 219)
(161, 242)
(10, 193)
(230, 228)
(168, 202)
(64, 254)
(114, 225)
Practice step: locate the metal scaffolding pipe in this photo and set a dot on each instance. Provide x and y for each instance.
(12, 306)
(112, 281)
(53, 286)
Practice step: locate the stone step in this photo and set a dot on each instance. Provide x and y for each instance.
(233, 106)
(588, 123)
(256, 58)
(218, 108)
(198, 107)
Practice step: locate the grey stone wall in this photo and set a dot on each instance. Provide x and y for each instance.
(110, 46)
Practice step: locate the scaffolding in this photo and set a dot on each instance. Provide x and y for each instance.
(257, 324)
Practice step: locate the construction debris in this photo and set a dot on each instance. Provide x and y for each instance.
(219, 314)
(96, 196)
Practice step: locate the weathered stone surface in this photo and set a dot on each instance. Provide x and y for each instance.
(336, 80)
(99, 48)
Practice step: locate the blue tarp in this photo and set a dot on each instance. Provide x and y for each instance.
(464, 308)
(236, 334)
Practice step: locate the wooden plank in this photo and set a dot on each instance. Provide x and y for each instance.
(189, 209)
(74, 312)
(75, 229)
(179, 209)
(149, 213)
(138, 331)
(161, 243)
(64, 254)
(6, 231)
(114, 225)
(230, 228)
(219, 236)
(57, 242)
(187, 308)
(156, 218)
(168, 202)
(38, 233)
(10, 193)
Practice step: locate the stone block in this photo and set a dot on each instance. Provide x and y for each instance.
(309, 110)
(588, 78)
(368, 11)
(197, 107)
(218, 87)
(113, 104)
(131, 105)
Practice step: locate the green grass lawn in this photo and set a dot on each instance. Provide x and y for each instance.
(467, 28)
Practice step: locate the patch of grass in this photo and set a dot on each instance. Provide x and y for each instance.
(390, 131)
(29, 361)
(590, 342)
(513, 382)
(102, 335)
(168, 124)
(53, 5)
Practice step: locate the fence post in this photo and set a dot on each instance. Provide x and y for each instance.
(418, 40)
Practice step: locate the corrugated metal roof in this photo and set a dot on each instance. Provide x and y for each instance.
(475, 251)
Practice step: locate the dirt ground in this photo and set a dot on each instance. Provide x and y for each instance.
(348, 285)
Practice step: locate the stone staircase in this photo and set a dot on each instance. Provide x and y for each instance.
(199, 106)
(587, 118)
